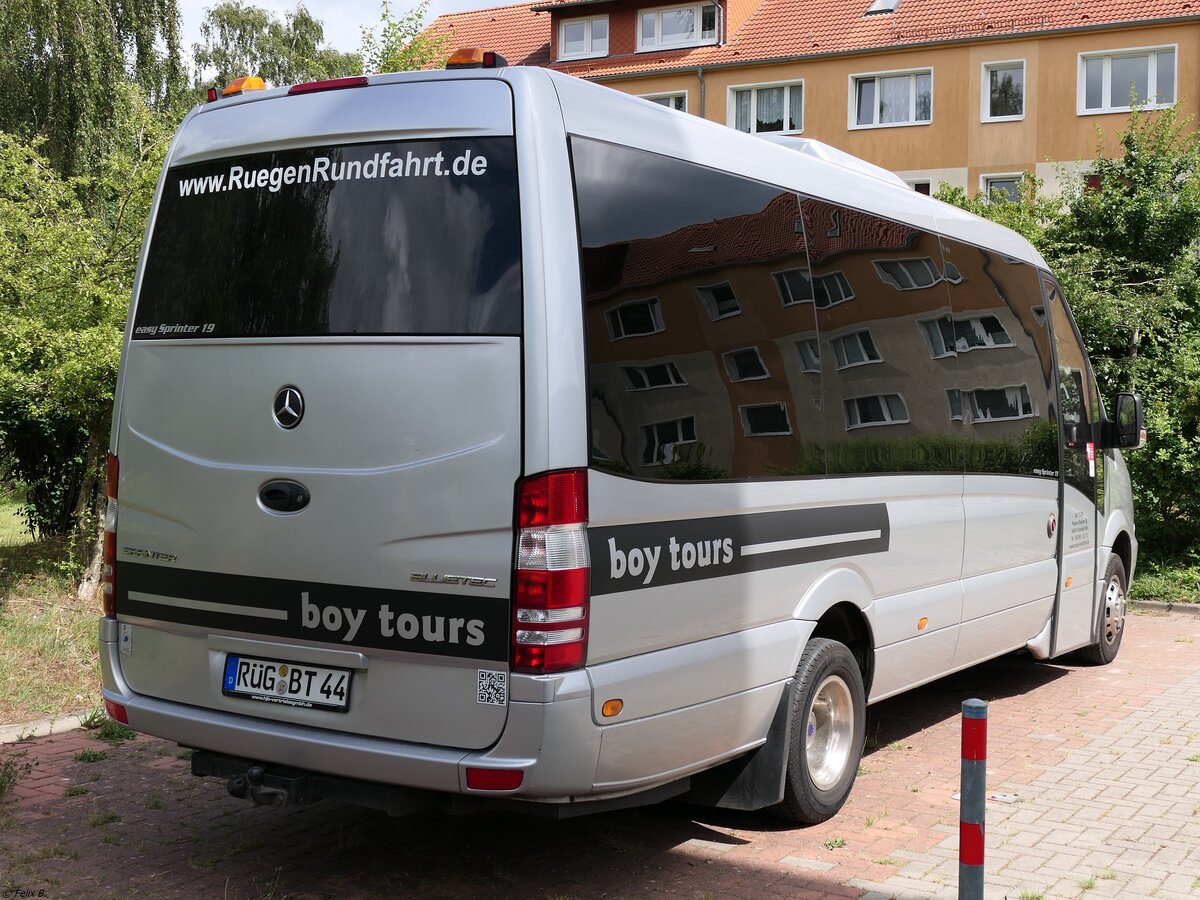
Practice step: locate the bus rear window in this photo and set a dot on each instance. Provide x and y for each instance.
(404, 237)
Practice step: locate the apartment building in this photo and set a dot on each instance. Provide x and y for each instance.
(969, 92)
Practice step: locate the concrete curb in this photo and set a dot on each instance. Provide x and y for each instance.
(12, 734)
(1186, 609)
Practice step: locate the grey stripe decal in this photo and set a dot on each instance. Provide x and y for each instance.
(232, 608)
(650, 554)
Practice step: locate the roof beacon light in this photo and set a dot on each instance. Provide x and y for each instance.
(245, 83)
(475, 58)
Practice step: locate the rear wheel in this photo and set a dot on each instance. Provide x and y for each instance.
(1112, 616)
(828, 723)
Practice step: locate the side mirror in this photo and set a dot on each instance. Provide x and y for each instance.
(1127, 430)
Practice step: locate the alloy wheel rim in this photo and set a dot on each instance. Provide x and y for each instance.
(830, 733)
(1114, 611)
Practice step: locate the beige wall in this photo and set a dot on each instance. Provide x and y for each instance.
(956, 140)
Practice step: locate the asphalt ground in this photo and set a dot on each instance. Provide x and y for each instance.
(1093, 777)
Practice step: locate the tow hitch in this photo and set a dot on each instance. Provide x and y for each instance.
(251, 784)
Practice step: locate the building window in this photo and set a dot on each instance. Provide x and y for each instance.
(879, 409)
(677, 101)
(661, 438)
(745, 364)
(992, 404)
(798, 286)
(1004, 187)
(810, 354)
(1109, 82)
(921, 187)
(1003, 97)
(902, 98)
(908, 274)
(720, 300)
(765, 418)
(583, 38)
(948, 336)
(857, 349)
(677, 26)
(633, 319)
(882, 6)
(643, 378)
(773, 107)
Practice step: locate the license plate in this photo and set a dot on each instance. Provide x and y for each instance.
(289, 684)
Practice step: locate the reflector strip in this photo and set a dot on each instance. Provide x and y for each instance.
(232, 609)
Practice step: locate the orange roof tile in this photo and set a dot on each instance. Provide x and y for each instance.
(790, 29)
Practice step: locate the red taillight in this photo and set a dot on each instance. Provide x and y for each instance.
(551, 597)
(494, 779)
(112, 472)
(116, 712)
(328, 84)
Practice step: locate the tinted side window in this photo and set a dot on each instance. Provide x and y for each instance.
(1080, 405)
(698, 366)
(886, 374)
(1005, 392)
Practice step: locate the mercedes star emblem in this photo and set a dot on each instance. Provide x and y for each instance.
(289, 407)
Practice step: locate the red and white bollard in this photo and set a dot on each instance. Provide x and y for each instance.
(972, 796)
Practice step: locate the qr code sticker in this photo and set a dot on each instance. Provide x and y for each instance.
(493, 687)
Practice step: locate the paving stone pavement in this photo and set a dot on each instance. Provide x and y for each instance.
(1095, 771)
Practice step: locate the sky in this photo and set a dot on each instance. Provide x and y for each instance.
(343, 19)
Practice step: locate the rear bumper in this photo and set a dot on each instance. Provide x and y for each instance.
(555, 743)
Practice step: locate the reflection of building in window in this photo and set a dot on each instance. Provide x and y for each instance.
(745, 365)
(908, 274)
(880, 409)
(632, 319)
(855, 349)
(810, 354)
(798, 286)
(642, 378)
(765, 418)
(948, 336)
(720, 300)
(660, 438)
(992, 404)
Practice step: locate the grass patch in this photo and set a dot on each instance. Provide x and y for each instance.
(1088, 883)
(1168, 579)
(834, 844)
(48, 656)
(13, 768)
(153, 800)
(887, 861)
(74, 790)
(98, 819)
(90, 756)
(115, 733)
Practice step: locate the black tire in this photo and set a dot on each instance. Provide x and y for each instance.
(814, 795)
(1112, 616)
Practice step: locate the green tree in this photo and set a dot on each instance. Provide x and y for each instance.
(239, 39)
(61, 314)
(401, 43)
(62, 64)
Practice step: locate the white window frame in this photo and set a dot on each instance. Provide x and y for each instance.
(711, 305)
(837, 277)
(953, 394)
(855, 337)
(658, 44)
(815, 345)
(852, 111)
(985, 182)
(731, 369)
(668, 95)
(985, 90)
(887, 278)
(655, 315)
(742, 414)
(731, 103)
(926, 325)
(672, 445)
(968, 395)
(677, 377)
(886, 410)
(591, 52)
(1107, 105)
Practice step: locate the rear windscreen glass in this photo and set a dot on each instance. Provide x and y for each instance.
(404, 237)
